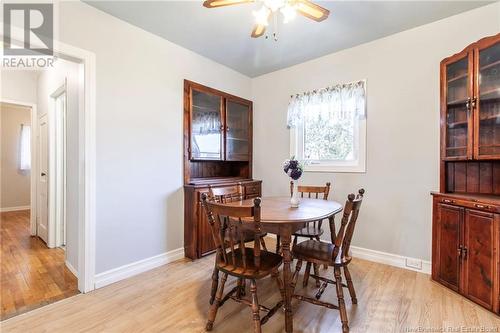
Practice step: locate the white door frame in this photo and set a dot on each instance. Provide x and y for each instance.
(57, 169)
(87, 153)
(34, 162)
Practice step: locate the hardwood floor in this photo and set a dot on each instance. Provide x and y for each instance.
(174, 298)
(31, 274)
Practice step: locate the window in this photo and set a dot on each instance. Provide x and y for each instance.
(328, 128)
(25, 148)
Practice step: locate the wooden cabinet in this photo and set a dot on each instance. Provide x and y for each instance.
(219, 125)
(198, 240)
(478, 256)
(466, 249)
(217, 152)
(447, 263)
(470, 102)
(237, 130)
(466, 210)
(487, 99)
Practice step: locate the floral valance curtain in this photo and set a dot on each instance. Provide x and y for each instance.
(341, 101)
(205, 123)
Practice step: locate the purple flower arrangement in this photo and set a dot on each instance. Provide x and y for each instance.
(293, 168)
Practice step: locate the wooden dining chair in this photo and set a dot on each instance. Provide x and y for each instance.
(232, 194)
(235, 259)
(225, 195)
(312, 230)
(334, 254)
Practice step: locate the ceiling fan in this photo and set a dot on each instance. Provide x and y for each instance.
(271, 8)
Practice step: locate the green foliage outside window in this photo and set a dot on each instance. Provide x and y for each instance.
(327, 137)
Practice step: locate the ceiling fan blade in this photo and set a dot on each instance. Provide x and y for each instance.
(258, 30)
(311, 10)
(222, 3)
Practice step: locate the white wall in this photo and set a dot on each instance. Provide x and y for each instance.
(14, 183)
(402, 73)
(18, 85)
(48, 82)
(139, 131)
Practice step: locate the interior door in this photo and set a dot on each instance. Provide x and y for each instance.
(43, 190)
(487, 100)
(450, 220)
(479, 257)
(457, 107)
(237, 131)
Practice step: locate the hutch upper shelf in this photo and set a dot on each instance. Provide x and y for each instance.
(470, 109)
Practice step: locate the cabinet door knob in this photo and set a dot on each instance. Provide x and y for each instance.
(473, 102)
(447, 201)
(464, 252)
(459, 251)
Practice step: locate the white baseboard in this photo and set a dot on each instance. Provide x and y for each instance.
(129, 270)
(384, 258)
(14, 209)
(71, 268)
(389, 259)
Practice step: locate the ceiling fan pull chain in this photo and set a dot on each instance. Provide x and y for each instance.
(275, 26)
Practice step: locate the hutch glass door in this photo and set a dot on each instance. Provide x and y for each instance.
(237, 131)
(488, 95)
(206, 126)
(457, 109)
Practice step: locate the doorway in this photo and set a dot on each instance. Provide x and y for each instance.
(84, 181)
(32, 274)
(53, 248)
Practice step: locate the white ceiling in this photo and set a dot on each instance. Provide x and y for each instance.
(223, 34)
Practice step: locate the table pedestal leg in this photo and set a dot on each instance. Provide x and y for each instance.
(287, 279)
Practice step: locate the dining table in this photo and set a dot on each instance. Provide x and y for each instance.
(278, 217)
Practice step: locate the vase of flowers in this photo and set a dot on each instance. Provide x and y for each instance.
(293, 169)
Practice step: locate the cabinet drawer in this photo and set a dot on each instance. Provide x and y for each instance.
(471, 204)
(252, 190)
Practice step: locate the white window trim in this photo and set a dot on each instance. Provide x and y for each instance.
(356, 166)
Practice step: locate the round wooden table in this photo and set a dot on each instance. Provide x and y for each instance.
(279, 218)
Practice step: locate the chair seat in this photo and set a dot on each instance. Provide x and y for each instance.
(317, 252)
(309, 231)
(268, 261)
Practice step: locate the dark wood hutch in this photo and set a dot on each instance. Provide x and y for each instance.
(466, 210)
(217, 152)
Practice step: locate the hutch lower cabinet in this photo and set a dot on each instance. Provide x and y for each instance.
(466, 238)
(217, 153)
(466, 210)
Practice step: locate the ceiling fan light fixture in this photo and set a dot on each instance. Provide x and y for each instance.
(262, 16)
(289, 13)
(274, 9)
(275, 5)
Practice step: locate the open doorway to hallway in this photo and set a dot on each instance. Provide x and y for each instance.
(40, 236)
